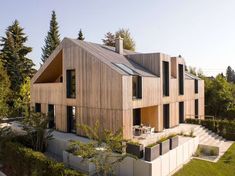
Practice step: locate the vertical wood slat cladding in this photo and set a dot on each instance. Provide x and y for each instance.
(104, 94)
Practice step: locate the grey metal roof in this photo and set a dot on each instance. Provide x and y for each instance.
(108, 56)
(190, 76)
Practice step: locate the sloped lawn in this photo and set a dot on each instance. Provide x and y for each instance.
(224, 167)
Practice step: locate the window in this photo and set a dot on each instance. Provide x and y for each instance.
(181, 79)
(136, 116)
(195, 86)
(71, 84)
(136, 87)
(71, 119)
(181, 112)
(165, 78)
(51, 116)
(166, 116)
(196, 109)
(37, 107)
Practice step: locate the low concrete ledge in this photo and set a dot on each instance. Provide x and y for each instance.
(78, 163)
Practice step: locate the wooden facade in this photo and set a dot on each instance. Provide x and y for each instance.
(104, 91)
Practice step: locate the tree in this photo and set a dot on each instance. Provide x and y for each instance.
(219, 96)
(13, 56)
(109, 39)
(80, 35)
(35, 125)
(128, 41)
(4, 91)
(23, 101)
(230, 75)
(104, 152)
(52, 39)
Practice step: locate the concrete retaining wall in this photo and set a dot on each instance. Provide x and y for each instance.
(162, 166)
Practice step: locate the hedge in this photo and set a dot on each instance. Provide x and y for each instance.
(224, 128)
(18, 160)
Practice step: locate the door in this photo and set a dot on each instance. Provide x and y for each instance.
(181, 112)
(51, 116)
(166, 116)
(71, 119)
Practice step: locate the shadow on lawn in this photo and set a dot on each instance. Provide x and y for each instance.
(227, 158)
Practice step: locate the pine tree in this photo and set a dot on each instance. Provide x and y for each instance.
(109, 39)
(13, 56)
(230, 74)
(52, 39)
(4, 91)
(80, 35)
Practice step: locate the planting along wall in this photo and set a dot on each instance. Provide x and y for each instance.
(164, 165)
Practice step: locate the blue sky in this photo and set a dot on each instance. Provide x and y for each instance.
(203, 32)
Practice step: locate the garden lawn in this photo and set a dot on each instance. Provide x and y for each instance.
(224, 167)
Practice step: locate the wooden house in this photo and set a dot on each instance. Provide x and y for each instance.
(83, 82)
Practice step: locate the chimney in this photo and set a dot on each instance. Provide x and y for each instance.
(119, 45)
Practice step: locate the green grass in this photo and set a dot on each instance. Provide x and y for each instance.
(224, 167)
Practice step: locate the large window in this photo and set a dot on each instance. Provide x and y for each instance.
(51, 116)
(181, 112)
(165, 78)
(181, 79)
(37, 107)
(136, 87)
(71, 84)
(196, 109)
(71, 119)
(137, 116)
(166, 116)
(196, 86)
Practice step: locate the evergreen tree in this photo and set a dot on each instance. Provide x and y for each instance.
(4, 91)
(80, 35)
(52, 39)
(230, 74)
(109, 39)
(13, 56)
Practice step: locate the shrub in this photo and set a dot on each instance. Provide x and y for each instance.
(224, 128)
(18, 160)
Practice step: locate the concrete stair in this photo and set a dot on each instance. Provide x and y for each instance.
(207, 137)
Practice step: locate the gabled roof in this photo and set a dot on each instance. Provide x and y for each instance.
(107, 55)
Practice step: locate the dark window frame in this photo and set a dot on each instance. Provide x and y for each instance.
(51, 115)
(71, 119)
(166, 78)
(137, 116)
(195, 86)
(71, 83)
(37, 107)
(181, 78)
(136, 87)
(181, 112)
(196, 108)
(166, 116)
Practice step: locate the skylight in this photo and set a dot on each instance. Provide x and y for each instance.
(126, 69)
